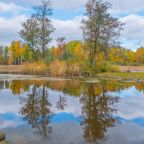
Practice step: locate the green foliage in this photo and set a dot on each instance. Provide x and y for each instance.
(123, 75)
(69, 53)
(36, 55)
(2, 61)
(49, 57)
(86, 67)
(70, 46)
(67, 56)
(106, 66)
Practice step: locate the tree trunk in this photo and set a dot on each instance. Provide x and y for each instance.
(43, 38)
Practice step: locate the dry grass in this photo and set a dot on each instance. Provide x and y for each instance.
(31, 68)
(57, 68)
(35, 68)
(132, 68)
(74, 69)
(11, 68)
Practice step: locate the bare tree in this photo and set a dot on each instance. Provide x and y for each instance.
(61, 43)
(100, 29)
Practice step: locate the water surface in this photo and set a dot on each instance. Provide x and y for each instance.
(56, 111)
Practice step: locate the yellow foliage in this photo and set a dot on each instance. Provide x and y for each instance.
(100, 57)
(139, 56)
(17, 52)
(78, 50)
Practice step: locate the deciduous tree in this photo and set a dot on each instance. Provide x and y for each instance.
(100, 29)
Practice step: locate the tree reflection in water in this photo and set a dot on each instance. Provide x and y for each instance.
(97, 108)
(61, 104)
(97, 111)
(36, 111)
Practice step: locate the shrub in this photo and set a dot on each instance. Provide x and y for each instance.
(57, 68)
(86, 67)
(106, 67)
(115, 68)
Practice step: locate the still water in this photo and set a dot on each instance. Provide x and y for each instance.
(54, 111)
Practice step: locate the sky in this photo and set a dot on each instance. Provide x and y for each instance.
(67, 16)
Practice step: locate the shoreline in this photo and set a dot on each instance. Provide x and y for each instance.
(94, 79)
(127, 76)
(16, 71)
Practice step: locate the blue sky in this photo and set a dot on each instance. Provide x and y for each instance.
(67, 17)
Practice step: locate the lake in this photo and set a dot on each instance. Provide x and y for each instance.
(43, 110)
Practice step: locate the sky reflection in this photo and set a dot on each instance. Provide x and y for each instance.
(72, 112)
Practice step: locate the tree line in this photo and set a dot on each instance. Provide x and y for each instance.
(100, 45)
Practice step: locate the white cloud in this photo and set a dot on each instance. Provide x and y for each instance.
(9, 28)
(118, 6)
(133, 30)
(134, 26)
(68, 28)
(10, 7)
(126, 6)
(130, 104)
(71, 5)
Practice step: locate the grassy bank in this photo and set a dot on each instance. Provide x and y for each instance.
(123, 75)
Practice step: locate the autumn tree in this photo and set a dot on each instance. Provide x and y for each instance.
(14, 50)
(18, 53)
(30, 32)
(42, 13)
(6, 54)
(139, 55)
(100, 29)
(1, 55)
